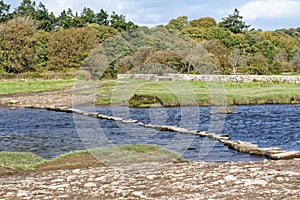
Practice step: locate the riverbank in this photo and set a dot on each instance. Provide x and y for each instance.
(170, 93)
(254, 180)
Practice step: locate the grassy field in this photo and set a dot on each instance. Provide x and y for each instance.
(13, 87)
(171, 93)
(174, 93)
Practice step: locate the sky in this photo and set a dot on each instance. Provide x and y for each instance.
(260, 14)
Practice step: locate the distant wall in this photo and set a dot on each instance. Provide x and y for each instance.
(223, 78)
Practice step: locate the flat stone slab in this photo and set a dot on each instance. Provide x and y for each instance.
(285, 155)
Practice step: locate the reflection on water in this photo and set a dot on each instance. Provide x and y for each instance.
(49, 134)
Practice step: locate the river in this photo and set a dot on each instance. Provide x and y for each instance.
(50, 134)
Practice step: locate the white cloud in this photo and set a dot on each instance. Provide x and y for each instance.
(270, 9)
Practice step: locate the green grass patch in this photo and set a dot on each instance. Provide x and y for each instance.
(13, 87)
(20, 160)
(71, 154)
(135, 153)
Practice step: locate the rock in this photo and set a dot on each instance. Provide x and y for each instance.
(76, 171)
(12, 102)
(256, 182)
(22, 193)
(139, 194)
(230, 178)
(142, 100)
(90, 184)
(265, 151)
(286, 155)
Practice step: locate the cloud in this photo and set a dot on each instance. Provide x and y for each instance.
(270, 9)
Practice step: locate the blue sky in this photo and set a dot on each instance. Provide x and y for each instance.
(260, 14)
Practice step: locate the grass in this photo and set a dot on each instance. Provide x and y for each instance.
(20, 160)
(174, 93)
(115, 155)
(13, 87)
(135, 153)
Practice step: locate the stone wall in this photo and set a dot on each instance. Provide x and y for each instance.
(223, 78)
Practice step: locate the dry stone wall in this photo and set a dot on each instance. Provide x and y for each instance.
(222, 78)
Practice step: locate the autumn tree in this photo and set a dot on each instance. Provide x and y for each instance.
(219, 53)
(18, 51)
(68, 48)
(204, 22)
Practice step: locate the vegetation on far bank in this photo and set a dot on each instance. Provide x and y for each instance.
(126, 154)
(47, 44)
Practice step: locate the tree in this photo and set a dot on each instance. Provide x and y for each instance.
(26, 8)
(236, 59)
(178, 24)
(195, 33)
(204, 22)
(256, 64)
(295, 61)
(65, 19)
(101, 18)
(17, 50)
(234, 22)
(118, 22)
(47, 21)
(4, 11)
(224, 36)
(218, 52)
(68, 48)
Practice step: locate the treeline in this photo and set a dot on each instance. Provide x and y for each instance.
(236, 49)
(33, 40)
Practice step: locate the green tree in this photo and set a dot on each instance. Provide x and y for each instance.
(295, 60)
(101, 18)
(4, 11)
(224, 36)
(234, 22)
(178, 24)
(47, 20)
(195, 33)
(65, 19)
(26, 8)
(256, 64)
(118, 22)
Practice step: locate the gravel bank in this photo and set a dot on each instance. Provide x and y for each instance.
(253, 180)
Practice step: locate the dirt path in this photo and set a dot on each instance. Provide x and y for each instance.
(253, 180)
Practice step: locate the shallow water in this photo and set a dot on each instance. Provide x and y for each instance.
(49, 133)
